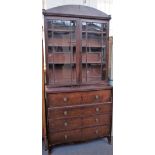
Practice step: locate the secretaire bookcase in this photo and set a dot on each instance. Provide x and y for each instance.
(78, 94)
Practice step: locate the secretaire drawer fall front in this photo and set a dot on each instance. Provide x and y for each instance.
(68, 99)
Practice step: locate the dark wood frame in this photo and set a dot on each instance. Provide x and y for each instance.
(78, 32)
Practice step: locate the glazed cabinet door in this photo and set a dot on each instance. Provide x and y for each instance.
(94, 42)
(61, 51)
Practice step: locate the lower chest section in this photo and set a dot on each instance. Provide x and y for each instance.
(78, 116)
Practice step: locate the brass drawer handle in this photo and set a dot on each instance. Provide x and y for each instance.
(97, 97)
(65, 99)
(65, 124)
(97, 120)
(96, 131)
(97, 109)
(65, 137)
(65, 113)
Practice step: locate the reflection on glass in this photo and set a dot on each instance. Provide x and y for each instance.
(94, 49)
(62, 35)
(63, 25)
(91, 26)
(94, 26)
(84, 26)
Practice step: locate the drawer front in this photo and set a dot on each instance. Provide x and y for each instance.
(77, 111)
(97, 120)
(96, 96)
(66, 99)
(63, 99)
(64, 112)
(64, 124)
(95, 132)
(65, 137)
(95, 109)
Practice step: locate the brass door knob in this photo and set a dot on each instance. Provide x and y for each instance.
(65, 137)
(65, 123)
(96, 131)
(96, 119)
(97, 109)
(97, 97)
(65, 113)
(65, 99)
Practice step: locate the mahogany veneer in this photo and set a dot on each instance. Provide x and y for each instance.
(78, 96)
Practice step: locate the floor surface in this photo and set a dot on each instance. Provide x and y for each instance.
(96, 147)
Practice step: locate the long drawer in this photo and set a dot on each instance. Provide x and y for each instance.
(79, 110)
(95, 132)
(77, 123)
(79, 134)
(76, 98)
(65, 137)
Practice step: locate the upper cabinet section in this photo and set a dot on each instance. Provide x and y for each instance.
(76, 42)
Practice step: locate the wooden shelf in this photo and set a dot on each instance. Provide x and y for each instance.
(60, 30)
(91, 43)
(59, 58)
(61, 42)
(97, 32)
(61, 63)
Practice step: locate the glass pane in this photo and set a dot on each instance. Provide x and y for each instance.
(94, 49)
(93, 52)
(83, 26)
(63, 25)
(62, 52)
(94, 72)
(58, 49)
(104, 27)
(94, 27)
(94, 39)
(64, 35)
(49, 34)
(49, 24)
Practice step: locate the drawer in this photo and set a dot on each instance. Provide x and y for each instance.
(98, 108)
(96, 96)
(95, 132)
(63, 99)
(77, 111)
(97, 120)
(65, 137)
(64, 124)
(64, 112)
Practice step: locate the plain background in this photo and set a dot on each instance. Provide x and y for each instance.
(21, 77)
